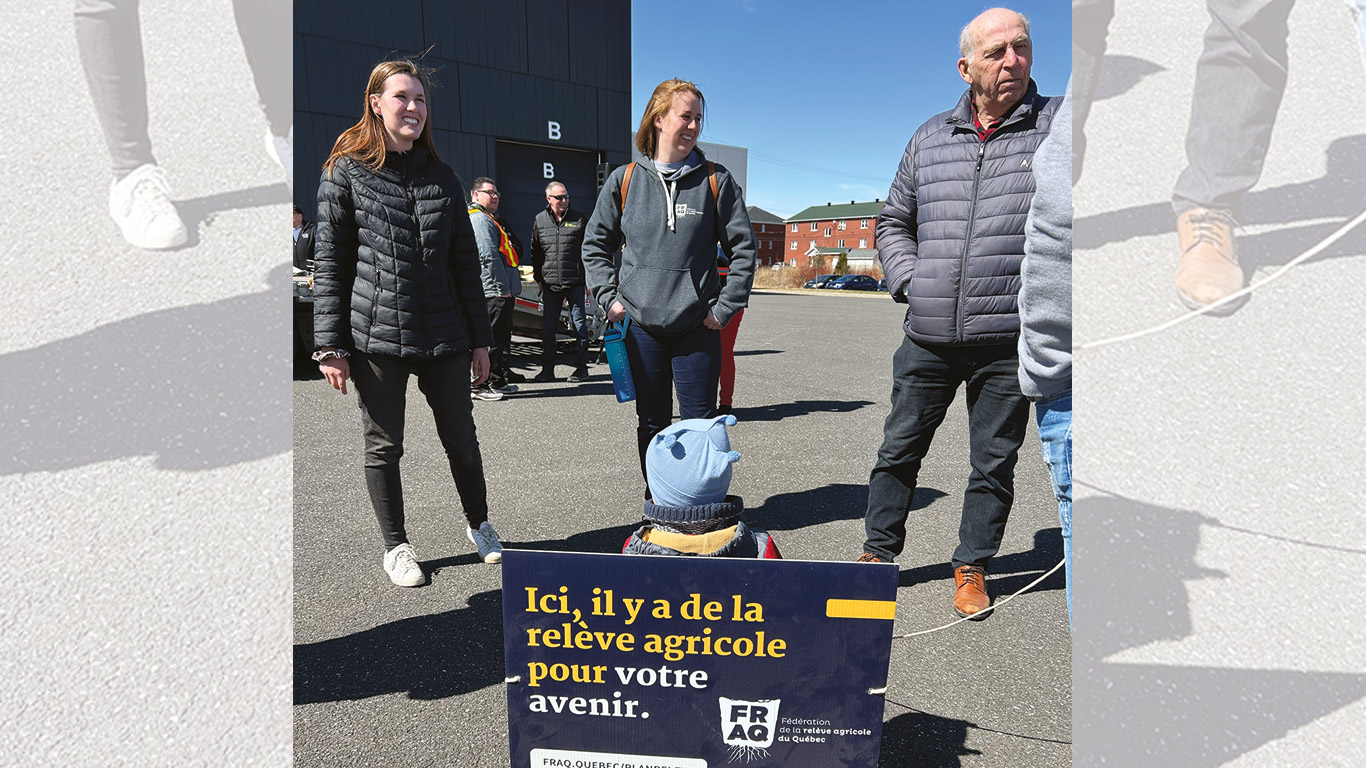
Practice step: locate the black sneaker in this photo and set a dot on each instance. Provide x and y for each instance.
(579, 375)
(723, 410)
(546, 375)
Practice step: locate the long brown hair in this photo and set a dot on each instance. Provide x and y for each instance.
(365, 140)
(661, 101)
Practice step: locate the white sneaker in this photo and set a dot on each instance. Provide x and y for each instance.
(401, 565)
(140, 204)
(281, 150)
(486, 540)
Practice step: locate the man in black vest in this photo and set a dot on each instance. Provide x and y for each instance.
(557, 264)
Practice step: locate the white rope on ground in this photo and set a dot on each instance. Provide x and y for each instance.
(993, 607)
(1309, 254)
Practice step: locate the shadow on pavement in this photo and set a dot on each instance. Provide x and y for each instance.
(199, 212)
(748, 352)
(843, 501)
(427, 657)
(601, 540)
(185, 385)
(1122, 73)
(1148, 714)
(1335, 194)
(924, 740)
(780, 411)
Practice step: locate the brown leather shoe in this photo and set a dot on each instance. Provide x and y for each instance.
(1209, 268)
(869, 557)
(970, 591)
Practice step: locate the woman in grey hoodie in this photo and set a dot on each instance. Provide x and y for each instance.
(668, 219)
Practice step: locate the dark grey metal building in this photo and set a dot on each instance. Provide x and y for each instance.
(526, 90)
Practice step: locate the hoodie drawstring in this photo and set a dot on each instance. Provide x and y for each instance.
(670, 189)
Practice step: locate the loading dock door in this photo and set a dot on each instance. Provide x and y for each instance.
(525, 169)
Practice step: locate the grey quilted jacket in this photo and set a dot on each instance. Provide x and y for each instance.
(951, 236)
(397, 270)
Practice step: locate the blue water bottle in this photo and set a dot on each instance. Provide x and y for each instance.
(614, 342)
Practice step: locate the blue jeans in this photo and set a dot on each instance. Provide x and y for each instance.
(551, 301)
(659, 364)
(925, 379)
(1054, 416)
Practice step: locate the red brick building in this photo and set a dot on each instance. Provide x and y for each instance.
(848, 227)
(768, 233)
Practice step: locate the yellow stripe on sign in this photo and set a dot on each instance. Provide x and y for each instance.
(860, 609)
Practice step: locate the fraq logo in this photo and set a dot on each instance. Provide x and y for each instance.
(682, 209)
(748, 727)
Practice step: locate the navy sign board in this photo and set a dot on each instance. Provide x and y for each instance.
(628, 661)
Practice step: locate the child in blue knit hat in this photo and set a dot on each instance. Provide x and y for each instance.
(691, 513)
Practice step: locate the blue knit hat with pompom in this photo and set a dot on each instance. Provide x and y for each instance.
(688, 463)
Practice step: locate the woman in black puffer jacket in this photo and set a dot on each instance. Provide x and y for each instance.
(397, 293)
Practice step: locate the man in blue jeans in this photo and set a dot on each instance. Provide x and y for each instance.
(1046, 315)
(951, 238)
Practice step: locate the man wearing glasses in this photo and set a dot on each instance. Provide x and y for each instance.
(499, 252)
(557, 262)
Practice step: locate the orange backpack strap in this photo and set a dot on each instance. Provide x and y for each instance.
(716, 203)
(715, 193)
(626, 184)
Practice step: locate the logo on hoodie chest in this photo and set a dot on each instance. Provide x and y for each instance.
(682, 209)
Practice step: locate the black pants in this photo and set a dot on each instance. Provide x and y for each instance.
(500, 317)
(109, 37)
(382, 388)
(551, 302)
(924, 382)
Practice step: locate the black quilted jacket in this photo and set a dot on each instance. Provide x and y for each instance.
(557, 248)
(397, 268)
(951, 236)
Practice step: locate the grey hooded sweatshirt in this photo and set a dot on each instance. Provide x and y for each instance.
(669, 231)
(1046, 272)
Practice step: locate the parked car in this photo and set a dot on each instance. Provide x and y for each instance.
(882, 285)
(819, 281)
(853, 283)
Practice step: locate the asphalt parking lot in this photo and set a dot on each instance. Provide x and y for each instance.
(385, 675)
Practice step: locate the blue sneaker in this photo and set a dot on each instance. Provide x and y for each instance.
(486, 540)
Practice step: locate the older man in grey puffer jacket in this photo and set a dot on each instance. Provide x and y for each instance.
(951, 239)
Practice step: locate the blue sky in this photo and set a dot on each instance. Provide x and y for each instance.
(823, 95)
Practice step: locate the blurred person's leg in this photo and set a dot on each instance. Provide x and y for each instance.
(1090, 27)
(1239, 81)
(264, 26)
(109, 38)
(1359, 16)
